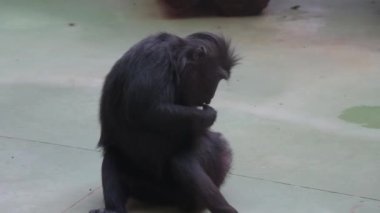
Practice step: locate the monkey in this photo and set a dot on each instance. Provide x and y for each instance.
(184, 8)
(155, 119)
(240, 7)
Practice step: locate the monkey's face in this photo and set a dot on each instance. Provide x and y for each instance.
(200, 79)
(208, 60)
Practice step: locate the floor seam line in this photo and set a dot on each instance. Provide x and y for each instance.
(81, 199)
(305, 187)
(48, 143)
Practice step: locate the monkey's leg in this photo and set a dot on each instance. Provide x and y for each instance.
(214, 155)
(194, 180)
(114, 191)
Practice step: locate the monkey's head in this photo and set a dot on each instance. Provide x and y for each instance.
(206, 60)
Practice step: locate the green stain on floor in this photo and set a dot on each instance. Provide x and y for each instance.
(367, 116)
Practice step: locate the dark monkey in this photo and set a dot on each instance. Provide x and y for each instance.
(155, 121)
(220, 7)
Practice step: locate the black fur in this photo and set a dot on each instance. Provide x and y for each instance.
(157, 144)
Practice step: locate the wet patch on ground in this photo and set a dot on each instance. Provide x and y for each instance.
(367, 116)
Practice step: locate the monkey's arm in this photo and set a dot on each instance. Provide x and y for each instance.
(171, 117)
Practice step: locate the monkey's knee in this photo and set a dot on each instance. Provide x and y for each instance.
(215, 137)
(215, 156)
(219, 145)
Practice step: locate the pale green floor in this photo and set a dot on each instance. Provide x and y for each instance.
(301, 111)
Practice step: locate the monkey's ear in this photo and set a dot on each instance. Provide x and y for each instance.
(198, 53)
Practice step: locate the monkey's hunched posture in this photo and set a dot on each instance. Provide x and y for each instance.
(155, 121)
(220, 7)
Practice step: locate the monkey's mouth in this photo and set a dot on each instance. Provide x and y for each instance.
(206, 102)
(201, 101)
(203, 105)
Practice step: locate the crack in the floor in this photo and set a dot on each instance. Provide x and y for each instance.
(48, 143)
(238, 175)
(305, 187)
(81, 199)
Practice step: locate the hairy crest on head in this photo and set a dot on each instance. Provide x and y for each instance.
(155, 124)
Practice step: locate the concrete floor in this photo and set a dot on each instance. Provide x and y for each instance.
(302, 111)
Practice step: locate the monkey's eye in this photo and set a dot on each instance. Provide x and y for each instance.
(199, 53)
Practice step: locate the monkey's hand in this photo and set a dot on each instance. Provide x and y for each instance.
(179, 119)
(208, 116)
